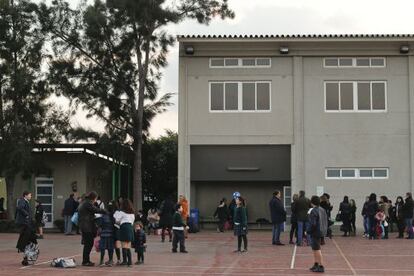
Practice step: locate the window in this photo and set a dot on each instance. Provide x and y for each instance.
(353, 62)
(358, 173)
(240, 62)
(355, 96)
(252, 96)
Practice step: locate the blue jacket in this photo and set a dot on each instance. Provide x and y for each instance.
(277, 211)
(23, 212)
(106, 223)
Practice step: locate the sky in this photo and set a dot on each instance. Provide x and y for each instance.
(282, 17)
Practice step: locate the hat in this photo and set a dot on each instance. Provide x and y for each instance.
(236, 195)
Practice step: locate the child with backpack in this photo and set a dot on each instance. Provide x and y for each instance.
(140, 241)
(106, 223)
(317, 228)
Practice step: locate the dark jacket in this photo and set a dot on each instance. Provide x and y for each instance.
(87, 213)
(166, 213)
(106, 224)
(240, 216)
(328, 208)
(140, 239)
(364, 211)
(302, 207)
(70, 206)
(39, 214)
(372, 208)
(313, 227)
(293, 218)
(222, 212)
(408, 208)
(345, 209)
(23, 212)
(277, 211)
(178, 220)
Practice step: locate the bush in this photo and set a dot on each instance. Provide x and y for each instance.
(60, 224)
(8, 226)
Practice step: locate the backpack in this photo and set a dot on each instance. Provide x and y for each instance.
(323, 222)
(63, 263)
(31, 253)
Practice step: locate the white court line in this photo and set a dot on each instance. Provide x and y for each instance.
(46, 262)
(343, 256)
(292, 263)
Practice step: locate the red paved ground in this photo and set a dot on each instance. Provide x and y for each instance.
(211, 254)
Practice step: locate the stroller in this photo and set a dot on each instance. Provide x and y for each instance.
(27, 244)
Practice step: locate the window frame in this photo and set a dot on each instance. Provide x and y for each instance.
(240, 96)
(355, 96)
(240, 63)
(357, 173)
(354, 63)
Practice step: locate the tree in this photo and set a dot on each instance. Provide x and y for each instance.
(26, 118)
(111, 54)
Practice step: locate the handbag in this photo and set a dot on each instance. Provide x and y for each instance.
(75, 218)
(338, 217)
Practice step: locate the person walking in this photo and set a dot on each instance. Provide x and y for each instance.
(399, 216)
(87, 211)
(39, 215)
(240, 224)
(372, 209)
(302, 207)
(222, 213)
(68, 211)
(24, 222)
(178, 228)
(315, 232)
(278, 217)
(345, 210)
(408, 215)
(352, 220)
(125, 219)
(293, 220)
(365, 219)
(166, 217)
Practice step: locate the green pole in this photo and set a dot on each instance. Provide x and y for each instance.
(113, 182)
(129, 181)
(119, 179)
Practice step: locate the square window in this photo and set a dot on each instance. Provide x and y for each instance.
(366, 173)
(362, 62)
(331, 62)
(333, 173)
(378, 62)
(347, 96)
(263, 96)
(346, 62)
(232, 96)
(217, 96)
(231, 62)
(249, 96)
(219, 62)
(378, 96)
(364, 96)
(380, 173)
(248, 62)
(348, 173)
(263, 62)
(332, 96)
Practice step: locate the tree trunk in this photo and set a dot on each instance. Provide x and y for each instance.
(137, 178)
(10, 197)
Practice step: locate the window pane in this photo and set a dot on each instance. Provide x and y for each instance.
(364, 96)
(248, 62)
(332, 96)
(365, 173)
(345, 62)
(47, 208)
(348, 173)
(217, 62)
(362, 62)
(217, 96)
(44, 181)
(263, 96)
(249, 96)
(44, 190)
(263, 61)
(378, 96)
(334, 173)
(45, 199)
(232, 97)
(331, 62)
(380, 173)
(347, 96)
(377, 62)
(231, 61)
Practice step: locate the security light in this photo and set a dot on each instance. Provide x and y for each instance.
(189, 50)
(404, 49)
(284, 50)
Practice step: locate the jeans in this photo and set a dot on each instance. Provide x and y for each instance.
(366, 225)
(276, 230)
(409, 225)
(372, 224)
(87, 240)
(68, 224)
(302, 225)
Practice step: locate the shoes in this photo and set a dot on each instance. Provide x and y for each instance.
(318, 269)
(88, 264)
(291, 242)
(123, 263)
(40, 237)
(314, 267)
(279, 243)
(137, 263)
(244, 250)
(109, 263)
(118, 262)
(184, 251)
(101, 264)
(174, 251)
(237, 251)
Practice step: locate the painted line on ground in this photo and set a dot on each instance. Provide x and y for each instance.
(343, 256)
(292, 263)
(49, 261)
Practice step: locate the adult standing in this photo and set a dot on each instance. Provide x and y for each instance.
(302, 208)
(364, 214)
(222, 213)
(345, 210)
(326, 205)
(167, 211)
(399, 217)
(372, 208)
(278, 217)
(68, 211)
(87, 211)
(293, 220)
(39, 218)
(353, 216)
(408, 214)
(24, 221)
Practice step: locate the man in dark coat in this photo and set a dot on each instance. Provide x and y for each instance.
(408, 214)
(278, 216)
(68, 211)
(87, 211)
(302, 207)
(167, 210)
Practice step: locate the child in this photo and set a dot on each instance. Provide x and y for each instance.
(240, 224)
(106, 223)
(140, 242)
(380, 217)
(40, 223)
(178, 230)
(315, 234)
(125, 218)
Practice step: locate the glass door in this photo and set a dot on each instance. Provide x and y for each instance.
(44, 193)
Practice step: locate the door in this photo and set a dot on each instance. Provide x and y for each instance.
(44, 193)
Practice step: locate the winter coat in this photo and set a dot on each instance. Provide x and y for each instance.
(408, 208)
(167, 211)
(69, 207)
(302, 207)
(106, 223)
(277, 211)
(372, 208)
(222, 212)
(23, 212)
(240, 216)
(87, 213)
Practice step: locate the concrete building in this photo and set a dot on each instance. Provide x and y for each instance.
(319, 113)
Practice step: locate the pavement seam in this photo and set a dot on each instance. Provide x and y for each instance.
(345, 258)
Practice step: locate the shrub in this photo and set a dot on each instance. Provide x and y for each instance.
(60, 224)
(8, 226)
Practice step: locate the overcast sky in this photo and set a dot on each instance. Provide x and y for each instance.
(286, 17)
